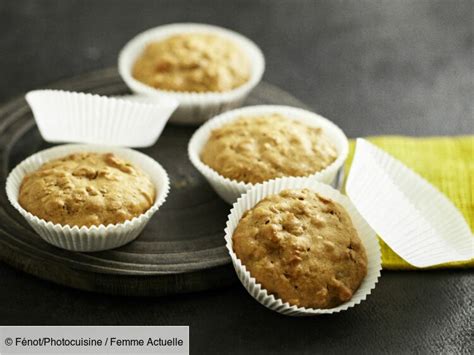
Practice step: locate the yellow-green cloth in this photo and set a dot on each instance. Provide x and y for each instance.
(447, 163)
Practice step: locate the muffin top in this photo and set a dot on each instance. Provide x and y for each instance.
(193, 62)
(259, 148)
(86, 189)
(302, 248)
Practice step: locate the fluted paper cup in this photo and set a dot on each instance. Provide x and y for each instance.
(365, 232)
(415, 219)
(229, 189)
(95, 238)
(74, 117)
(194, 108)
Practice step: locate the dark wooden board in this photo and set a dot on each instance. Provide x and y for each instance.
(180, 250)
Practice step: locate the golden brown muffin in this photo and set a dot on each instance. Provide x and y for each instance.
(193, 62)
(86, 189)
(256, 149)
(302, 248)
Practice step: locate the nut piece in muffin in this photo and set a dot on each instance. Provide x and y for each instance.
(193, 62)
(302, 248)
(86, 189)
(259, 148)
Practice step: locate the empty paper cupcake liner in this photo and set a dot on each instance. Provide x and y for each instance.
(416, 220)
(194, 108)
(95, 238)
(365, 232)
(75, 117)
(229, 189)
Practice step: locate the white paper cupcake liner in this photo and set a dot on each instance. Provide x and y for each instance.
(194, 108)
(74, 117)
(229, 189)
(365, 232)
(95, 238)
(417, 221)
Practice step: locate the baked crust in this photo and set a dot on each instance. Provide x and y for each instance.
(86, 189)
(302, 248)
(193, 62)
(259, 148)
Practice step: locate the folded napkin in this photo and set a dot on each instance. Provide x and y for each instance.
(447, 163)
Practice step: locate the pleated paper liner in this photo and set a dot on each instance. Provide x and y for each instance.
(93, 238)
(365, 232)
(229, 189)
(194, 108)
(72, 117)
(416, 220)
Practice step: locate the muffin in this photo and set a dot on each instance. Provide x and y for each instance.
(86, 189)
(253, 149)
(193, 62)
(302, 248)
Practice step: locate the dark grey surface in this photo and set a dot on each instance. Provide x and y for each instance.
(380, 67)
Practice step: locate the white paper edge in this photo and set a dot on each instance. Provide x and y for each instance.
(415, 219)
(76, 117)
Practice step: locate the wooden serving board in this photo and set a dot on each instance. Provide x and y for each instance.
(181, 249)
